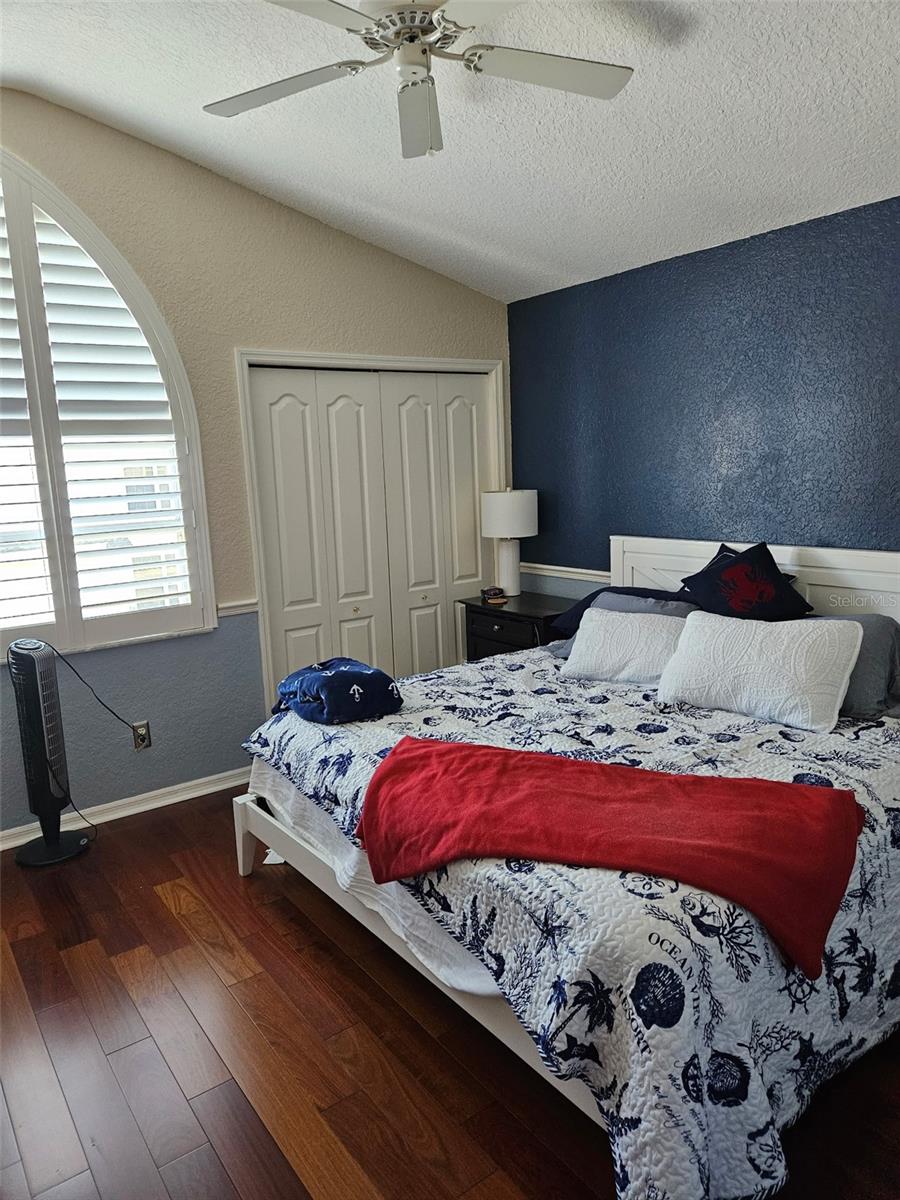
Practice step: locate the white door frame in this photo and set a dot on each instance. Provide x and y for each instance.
(492, 369)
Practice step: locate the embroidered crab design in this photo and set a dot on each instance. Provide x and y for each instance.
(744, 586)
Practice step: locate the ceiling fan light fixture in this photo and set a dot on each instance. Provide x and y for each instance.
(412, 61)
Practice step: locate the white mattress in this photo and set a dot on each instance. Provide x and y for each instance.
(444, 957)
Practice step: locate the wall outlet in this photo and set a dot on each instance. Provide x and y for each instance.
(140, 731)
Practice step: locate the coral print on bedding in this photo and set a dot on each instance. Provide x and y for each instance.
(674, 1006)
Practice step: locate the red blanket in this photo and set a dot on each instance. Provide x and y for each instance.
(783, 851)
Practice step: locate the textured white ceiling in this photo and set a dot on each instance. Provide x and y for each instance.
(740, 117)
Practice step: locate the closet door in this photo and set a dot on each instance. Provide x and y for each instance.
(439, 444)
(415, 496)
(289, 496)
(466, 438)
(349, 410)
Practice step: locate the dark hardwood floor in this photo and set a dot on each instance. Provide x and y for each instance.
(173, 1031)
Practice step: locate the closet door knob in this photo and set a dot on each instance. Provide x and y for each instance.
(356, 608)
(424, 595)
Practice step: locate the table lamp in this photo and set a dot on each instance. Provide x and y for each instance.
(508, 516)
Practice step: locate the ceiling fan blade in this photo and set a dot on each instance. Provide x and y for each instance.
(269, 92)
(420, 125)
(329, 11)
(466, 14)
(586, 78)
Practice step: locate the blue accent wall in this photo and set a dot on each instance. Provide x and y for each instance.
(749, 392)
(201, 694)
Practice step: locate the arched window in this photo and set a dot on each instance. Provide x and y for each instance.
(102, 520)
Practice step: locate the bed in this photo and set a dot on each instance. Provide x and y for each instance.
(665, 1013)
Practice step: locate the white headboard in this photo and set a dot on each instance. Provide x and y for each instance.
(834, 582)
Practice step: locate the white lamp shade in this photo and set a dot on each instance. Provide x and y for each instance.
(509, 514)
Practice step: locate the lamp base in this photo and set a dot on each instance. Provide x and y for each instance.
(508, 566)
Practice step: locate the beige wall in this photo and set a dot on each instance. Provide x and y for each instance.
(229, 268)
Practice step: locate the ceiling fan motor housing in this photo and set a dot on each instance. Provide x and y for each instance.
(397, 26)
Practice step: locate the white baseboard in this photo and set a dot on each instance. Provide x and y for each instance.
(133, 804)
(582, 574)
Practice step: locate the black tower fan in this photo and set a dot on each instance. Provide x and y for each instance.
(32, 668)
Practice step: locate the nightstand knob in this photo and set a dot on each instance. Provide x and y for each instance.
(497, 628)
(424, 595)
(355, 608)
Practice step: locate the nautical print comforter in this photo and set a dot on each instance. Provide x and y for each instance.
(697, 1041)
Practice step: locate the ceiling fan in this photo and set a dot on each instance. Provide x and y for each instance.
(411, 36)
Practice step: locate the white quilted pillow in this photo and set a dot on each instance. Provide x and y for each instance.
(792, 672)
(622, 647)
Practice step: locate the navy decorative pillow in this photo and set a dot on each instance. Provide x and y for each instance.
(730, 552)
(748, 585)
(338, 690)
(566, 624)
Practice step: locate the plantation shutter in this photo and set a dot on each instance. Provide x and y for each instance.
(26, 596)
(117, 435)
(110, 479)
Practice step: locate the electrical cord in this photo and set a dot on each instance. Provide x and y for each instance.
(68, 795)
(65, 790)
(78, 674)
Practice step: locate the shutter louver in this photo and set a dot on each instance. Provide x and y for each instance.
(25, 588)
(118, 438)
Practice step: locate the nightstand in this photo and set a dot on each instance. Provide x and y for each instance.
(523, 621)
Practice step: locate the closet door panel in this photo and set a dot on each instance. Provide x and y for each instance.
(467, 441)
(416, 534)
(419, 479)
(301, 548)
(426, 638)
(358, 640)
(345, 438)
(353, 478)
(460, 417)
(285, 435)
(302, 647)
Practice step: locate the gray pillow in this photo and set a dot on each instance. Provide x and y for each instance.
(875, 680)
(613, 602)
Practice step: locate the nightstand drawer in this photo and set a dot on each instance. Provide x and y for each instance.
(478, 648)
(500, 629)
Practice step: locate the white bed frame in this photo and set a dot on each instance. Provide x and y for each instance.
(835, 582)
